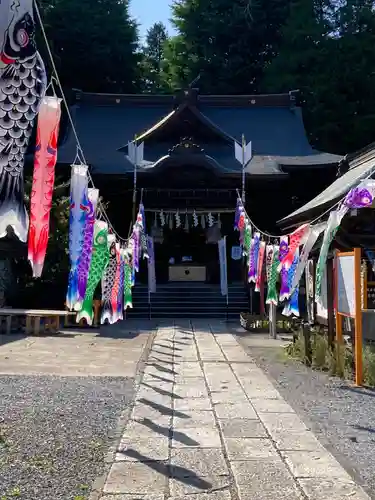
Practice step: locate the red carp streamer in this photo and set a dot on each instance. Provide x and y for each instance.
(43, 181)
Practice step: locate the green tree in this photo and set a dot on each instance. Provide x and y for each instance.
(228, 42)
(94, 44)
(153, 57)
(326, 53)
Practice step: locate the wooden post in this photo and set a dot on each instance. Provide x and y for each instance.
(9, 324)
(28, 325)
(66, 319)
(358, 318)
(330, 303)
(37, 325)
(364, 285)
(97, 306)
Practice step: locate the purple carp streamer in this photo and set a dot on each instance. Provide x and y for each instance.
(254, 258)
(99, 262)
(288, 310)
(79, 207)
(120, 297)
(362, 195)
(85, 257)
(22, 87)
(283, 252)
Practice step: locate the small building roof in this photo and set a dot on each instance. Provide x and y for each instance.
(105, 123)
(358, 166)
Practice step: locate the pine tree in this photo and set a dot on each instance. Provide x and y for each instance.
(326, 52)
(153, 57)
(94, 44)
(228, 42)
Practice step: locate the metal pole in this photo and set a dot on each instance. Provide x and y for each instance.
(243, 169)
(135, 178)
(272, 321)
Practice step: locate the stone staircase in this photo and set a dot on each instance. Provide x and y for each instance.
(188, 300)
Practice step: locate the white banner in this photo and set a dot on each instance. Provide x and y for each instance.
(222, 244)
(151, 265)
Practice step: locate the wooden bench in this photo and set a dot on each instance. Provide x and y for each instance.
(33, 319)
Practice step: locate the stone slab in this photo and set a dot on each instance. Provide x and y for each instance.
(150, 448)
(260, 392)
(161, 415)
(134, 478)
(132, 497)
(249, 449)
(312, 464)
(237, 410)
(190, 391)
(296, 441)
(202, 462)
(242, 428)
(202, 437)
(215, 495)
(236, 396)
(192, 404)
(272, 406)
(195, 419)
(155, 398)
(332, 489)
(282, 422)
(190, 381)
(183, 487)
(264, 480)
(186, 370)
(143, 429)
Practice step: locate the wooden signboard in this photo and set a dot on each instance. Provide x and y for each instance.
(348, 301)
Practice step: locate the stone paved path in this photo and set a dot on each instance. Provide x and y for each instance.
(209, 424)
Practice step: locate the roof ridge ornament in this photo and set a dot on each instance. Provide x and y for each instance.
(186, 146)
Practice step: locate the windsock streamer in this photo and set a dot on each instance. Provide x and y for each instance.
(43, 181)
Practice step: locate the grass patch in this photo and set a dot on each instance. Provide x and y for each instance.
(338, 362)
(369, 365)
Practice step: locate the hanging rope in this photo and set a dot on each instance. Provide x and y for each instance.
(80, 154)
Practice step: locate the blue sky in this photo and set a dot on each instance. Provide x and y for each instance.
(148, 12)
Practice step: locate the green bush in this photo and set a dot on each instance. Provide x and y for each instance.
(337, 361)
(320, 351)
(369, 365)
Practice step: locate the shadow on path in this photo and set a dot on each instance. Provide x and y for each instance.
(182, 474)
(164, 410)
(165, 431)
(162, 379)
(162, 392)
(162, 368)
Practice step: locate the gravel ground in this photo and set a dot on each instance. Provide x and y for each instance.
(54, 432)
(343, 417)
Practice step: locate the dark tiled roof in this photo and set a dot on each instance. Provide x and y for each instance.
(105, 123)
(361, 165)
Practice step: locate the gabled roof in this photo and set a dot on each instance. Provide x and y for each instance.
(177, 115)
(274, 124)
(360, 165)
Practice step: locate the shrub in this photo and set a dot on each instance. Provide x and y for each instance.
(369, 365)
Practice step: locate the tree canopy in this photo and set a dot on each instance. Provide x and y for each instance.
(228, 42)
(153, 59)
(94, 44)
(322, 47)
